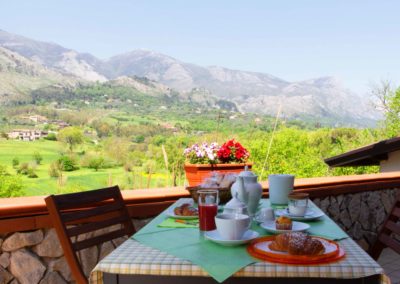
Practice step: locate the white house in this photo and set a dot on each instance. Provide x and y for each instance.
(27, 134)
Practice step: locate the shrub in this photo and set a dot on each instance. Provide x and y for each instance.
(37, 157)
(67, 163)
(23, 169)
(31, 173)
(54, 169)
(15, 162)
(128, 167)
(51, 137)
(149, 166)
(138, 139)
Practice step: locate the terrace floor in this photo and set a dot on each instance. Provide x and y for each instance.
(390, 261)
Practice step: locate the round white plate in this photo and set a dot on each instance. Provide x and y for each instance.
(214, 236)
(296, 227)
(310, 215)
(170, 213)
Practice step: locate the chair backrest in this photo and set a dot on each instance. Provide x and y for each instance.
(79, 213)
(389, 235)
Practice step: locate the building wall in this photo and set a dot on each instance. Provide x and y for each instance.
(392, 164)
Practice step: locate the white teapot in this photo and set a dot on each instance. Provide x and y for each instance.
(248, 190)
(235, 206)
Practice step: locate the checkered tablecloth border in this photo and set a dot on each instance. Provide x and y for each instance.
(135, 258)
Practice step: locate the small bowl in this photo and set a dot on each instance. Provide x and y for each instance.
(223, 193)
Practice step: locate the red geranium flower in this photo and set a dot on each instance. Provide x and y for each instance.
(232, 152)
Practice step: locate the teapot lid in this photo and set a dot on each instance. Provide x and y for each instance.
(247, 173)
(235, 203)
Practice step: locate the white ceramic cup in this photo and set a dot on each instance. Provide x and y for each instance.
(298, 204)
(232, 226)
(297, 210)
(265, 214)
(279, 188)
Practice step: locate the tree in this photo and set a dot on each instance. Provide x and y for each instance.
(388, 102)
(392, 116)
(10, 185)
(4, 135)
(72, 136)
(117, 149)
(96, 163)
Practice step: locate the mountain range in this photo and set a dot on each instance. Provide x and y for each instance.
(43, 63)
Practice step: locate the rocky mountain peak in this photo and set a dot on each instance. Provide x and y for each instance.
(250, 91)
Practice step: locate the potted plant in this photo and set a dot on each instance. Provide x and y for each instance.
(203, 158)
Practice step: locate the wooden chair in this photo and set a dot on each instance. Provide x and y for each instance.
(84, 212)
(389, 235)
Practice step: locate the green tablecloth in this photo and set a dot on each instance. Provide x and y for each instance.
(219, 261)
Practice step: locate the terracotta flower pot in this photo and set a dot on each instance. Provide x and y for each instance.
(196, 173)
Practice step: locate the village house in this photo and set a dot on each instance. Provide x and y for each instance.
(60, 124)
(27, 134)
(36, 118)
(169, 127)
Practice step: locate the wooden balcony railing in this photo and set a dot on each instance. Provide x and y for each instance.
(30, 213)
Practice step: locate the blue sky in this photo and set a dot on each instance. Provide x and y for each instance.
(356, 41)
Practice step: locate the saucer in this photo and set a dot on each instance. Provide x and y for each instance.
(296, 227)
(259, 221)
(214, 236)
(310, 214)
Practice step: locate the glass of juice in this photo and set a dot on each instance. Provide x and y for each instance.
(208, 208)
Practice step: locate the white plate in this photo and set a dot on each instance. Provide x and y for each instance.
(214, 236)
(296, 227)
(310, 215)
(170, 213)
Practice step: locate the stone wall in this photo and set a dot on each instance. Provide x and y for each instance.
(37, 257)
(361, 215)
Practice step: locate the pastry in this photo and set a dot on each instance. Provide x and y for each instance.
(283, 223)
(297, 244)
(185, 210)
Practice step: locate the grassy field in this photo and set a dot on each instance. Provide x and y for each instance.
(82, 179)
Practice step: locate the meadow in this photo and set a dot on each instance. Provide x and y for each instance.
(134, 165)
(81, 179)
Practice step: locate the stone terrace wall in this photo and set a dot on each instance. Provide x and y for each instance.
(37, 257)
(362, 214)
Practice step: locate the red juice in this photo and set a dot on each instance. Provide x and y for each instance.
(207, 213)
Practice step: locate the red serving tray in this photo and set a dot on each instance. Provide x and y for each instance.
(259, 248)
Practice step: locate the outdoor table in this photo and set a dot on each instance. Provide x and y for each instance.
(134, 262)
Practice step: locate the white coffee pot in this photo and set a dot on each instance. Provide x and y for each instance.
(248, 190)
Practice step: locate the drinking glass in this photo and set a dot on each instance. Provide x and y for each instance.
(208, 208)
